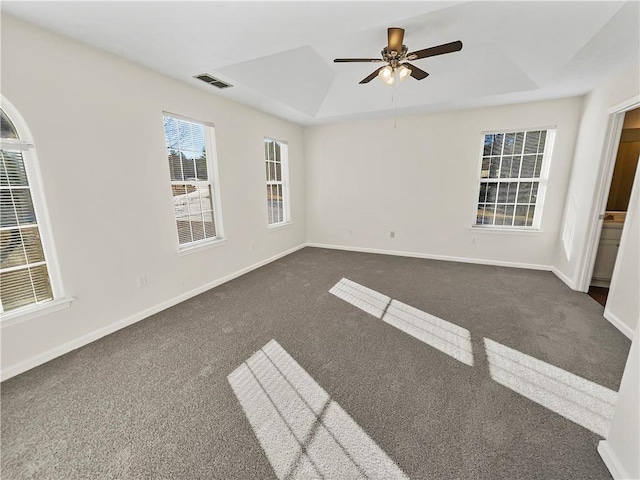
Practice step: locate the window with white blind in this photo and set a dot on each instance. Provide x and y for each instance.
(513, 176)
(194, 186)
(28, 272)
(277, 170)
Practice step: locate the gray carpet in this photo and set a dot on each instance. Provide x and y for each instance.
(154, 400)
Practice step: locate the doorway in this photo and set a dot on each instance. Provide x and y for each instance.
(626, 163)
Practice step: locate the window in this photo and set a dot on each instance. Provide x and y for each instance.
(28, 272)
(276, 158)
(513, 177)
(194, 186)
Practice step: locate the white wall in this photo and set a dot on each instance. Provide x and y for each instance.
(420, 180)
(623, 302)
(97, 123)
(572, 255)
(587, 169)
(620, 449)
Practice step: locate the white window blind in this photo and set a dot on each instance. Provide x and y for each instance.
(276, 159)
(193, 181)
(513, 173)
(24, 272)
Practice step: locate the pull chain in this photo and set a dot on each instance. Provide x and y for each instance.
(395, 107)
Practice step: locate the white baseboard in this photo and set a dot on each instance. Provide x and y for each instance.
(600, 282)
(499, 263)
(481, 261)
(610, 459)
(567, 281)
(44, 357)
(619, 324)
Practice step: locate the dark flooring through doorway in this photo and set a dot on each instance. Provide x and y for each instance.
(599, 294)
(153, 400)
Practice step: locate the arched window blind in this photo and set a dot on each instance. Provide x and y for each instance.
(24, 272)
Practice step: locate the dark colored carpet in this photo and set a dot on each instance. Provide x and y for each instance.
(599, 294)
(153, 400)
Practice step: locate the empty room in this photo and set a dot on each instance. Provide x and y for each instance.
(296, 240)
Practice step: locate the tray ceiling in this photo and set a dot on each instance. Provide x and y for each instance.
(279, 55)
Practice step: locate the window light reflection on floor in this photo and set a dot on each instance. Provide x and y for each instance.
(575, 398)
(436, 332)
(445, 336)
(304, 433)
(584, 402)
(370, 301)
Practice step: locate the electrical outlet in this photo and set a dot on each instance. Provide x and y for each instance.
(392, 234)
(350, 232)
(253, 245)
(473, 240)
(142, 281)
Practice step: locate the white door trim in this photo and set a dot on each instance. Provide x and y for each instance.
(601, 192)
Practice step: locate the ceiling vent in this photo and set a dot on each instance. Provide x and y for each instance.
(205, 77)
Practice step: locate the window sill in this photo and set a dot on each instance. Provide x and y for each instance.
(201, 246)
(278, 226)
(506, 231)
(33, 311)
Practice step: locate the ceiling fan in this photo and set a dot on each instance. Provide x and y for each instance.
(396, 56)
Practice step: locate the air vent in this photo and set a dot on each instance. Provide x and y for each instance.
(205, 77)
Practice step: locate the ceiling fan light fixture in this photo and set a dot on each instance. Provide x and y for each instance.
(403, 73)
(386, 73)
(389, 81)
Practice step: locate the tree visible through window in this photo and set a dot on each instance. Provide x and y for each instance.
(512, 178)
(24, 273)
(276, 159)
(189, 145)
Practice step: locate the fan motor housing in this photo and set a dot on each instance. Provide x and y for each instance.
(392, 55)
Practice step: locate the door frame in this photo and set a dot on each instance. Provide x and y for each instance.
(603, 185)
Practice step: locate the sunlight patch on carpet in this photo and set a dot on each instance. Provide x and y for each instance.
(303, 432)
(370, 301)
(445, 336)
(583, 402)
(575, 398)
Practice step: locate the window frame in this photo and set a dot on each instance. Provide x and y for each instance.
(284, 182)
(535, 227)
(27, 147)
(213, 182)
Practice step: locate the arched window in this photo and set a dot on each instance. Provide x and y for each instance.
(29, 277)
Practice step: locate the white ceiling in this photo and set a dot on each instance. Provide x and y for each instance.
(279, 55)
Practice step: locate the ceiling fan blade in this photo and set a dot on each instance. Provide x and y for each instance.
(396, 37)
(433, 51)
(370, 77)
(345, 60)
(416, 73)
